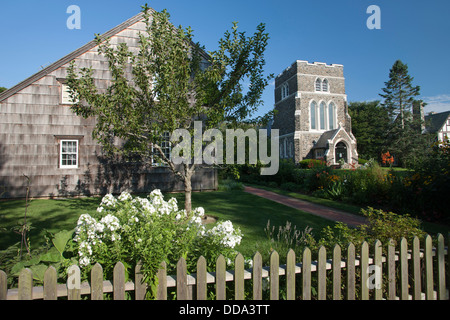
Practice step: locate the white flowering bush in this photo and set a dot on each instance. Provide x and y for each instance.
(151, 230)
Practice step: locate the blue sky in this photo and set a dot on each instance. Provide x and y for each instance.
(34, 34)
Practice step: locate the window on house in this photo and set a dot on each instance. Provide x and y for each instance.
(68, 154)
(313, 109)
(325, 85)
(65, 97)
(319, 154)
(318, 85)
(166, 148)
(331, 115)
(322, 112)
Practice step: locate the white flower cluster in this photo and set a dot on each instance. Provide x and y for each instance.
(90, 233)
(229, 237)
(124, 216)
(107, 201)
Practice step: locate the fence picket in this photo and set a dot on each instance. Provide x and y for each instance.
(441, 267)
(257, 276)
(26, 284)
(351, 274)
(274, 275)
(306, 274)
(161, 290)
(404, 293)
(3, 286)
(182, 290)
(364, 264)
(73, 283)
(448, 260)
(337, 272)
(239, 277)
(290, 275)
(322, 274)
(221, 269)
(417, 284)
(201, 279)
(97, 282)
(428, 268)
(140, 287)
(119, 281)
(50, 279)
(391, 270)
(378, 273)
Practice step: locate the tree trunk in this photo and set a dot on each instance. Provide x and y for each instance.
(187, 189)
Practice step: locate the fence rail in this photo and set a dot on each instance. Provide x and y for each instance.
(420, 273)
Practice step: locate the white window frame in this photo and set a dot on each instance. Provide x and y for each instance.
(166, 147)
(65, 97)
(76, 153)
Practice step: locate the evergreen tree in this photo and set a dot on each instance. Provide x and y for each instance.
(399, 93)
(370, 123)
(404, 138)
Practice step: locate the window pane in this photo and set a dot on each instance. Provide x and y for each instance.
(69, 153)
(313, 115)
(325, 85)
(322, 116)
(318, 85)
(331, 120)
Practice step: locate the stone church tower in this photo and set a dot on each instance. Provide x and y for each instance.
(312, 114)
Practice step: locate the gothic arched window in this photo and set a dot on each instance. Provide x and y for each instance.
(313, 115)
(318, 85)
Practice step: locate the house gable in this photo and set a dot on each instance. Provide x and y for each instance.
(42, 138)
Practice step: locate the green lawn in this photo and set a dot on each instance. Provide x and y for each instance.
(51, 215)
(250, 213)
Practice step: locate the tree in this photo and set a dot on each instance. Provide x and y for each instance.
(399, 92)
(3, 89)
(167, 85)
(404, 138)
(370, 123)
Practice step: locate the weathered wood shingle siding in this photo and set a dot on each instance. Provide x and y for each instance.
(33, 121)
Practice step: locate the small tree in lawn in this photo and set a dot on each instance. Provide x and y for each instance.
(167, 85)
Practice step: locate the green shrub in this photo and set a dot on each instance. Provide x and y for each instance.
(229, 184)
(311, 163)
(289, 186)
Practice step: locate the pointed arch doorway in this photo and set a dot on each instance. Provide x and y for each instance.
(341, 152)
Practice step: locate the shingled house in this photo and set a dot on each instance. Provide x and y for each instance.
(438, 124)
(40, 136)
(312, 114)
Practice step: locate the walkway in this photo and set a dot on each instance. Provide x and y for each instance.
(316, 209)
